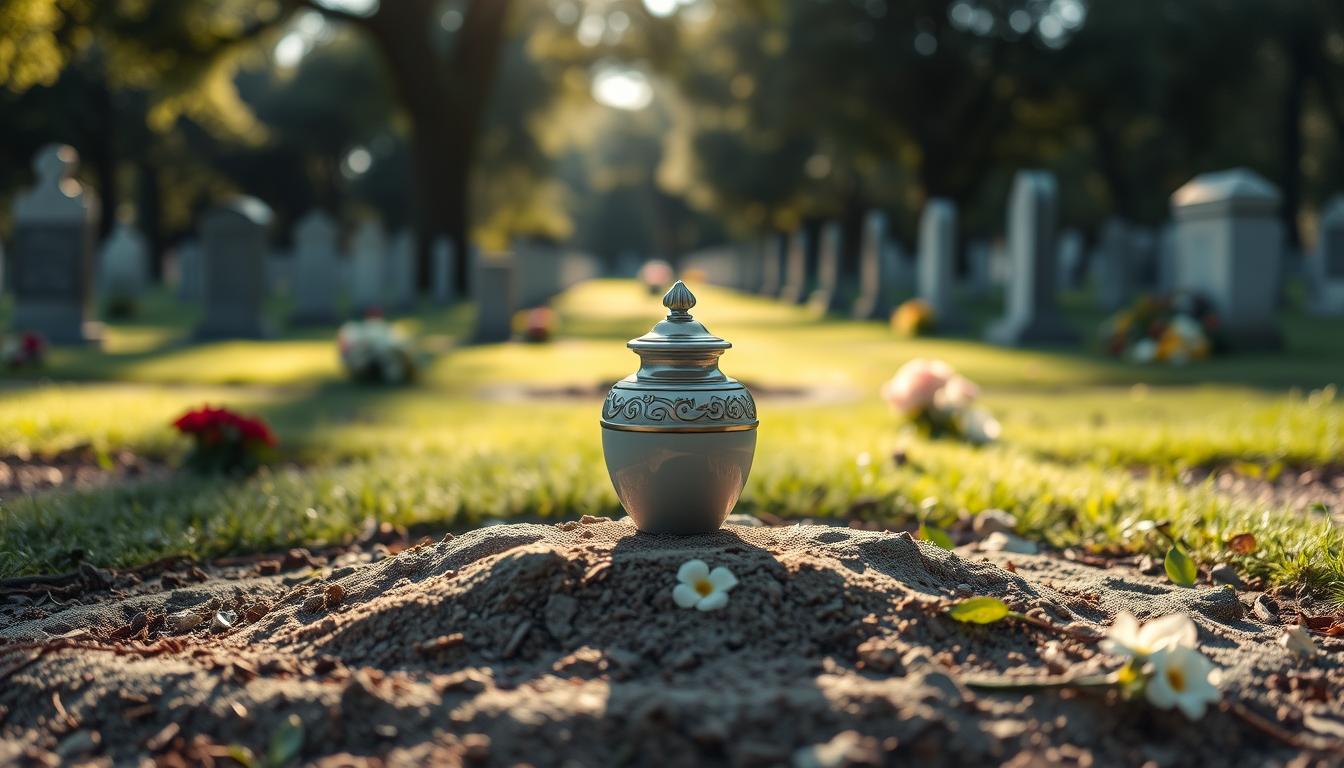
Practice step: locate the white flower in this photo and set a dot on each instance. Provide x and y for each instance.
(1187, 329)
(1127, 638)
(979, 428)
(1143, 351)
(702, 588)
(1181, 677)
(1298, 642)
(959, 392)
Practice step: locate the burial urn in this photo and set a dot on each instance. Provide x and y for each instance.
(678, 435)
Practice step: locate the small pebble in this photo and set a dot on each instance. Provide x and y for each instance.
(993, 520)
(223, 620)
(1226, 574)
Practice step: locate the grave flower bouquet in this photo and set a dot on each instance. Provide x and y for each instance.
(940, 402)
(373, 351)
(1163, 329)
(224, 441)
(913, 318)
(25, 350)
(536, 325)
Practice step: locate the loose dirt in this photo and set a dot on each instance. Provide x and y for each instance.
(561, 645)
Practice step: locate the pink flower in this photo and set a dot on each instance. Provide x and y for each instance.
(915, 385)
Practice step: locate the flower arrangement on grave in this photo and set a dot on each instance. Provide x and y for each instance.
(913, 318)
(1163, 329)
(374, 352)
(536, 325)
(656, 275)
(940, 402)
(24, 350)
(225, 442)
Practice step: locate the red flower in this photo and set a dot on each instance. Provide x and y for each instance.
(212, 425)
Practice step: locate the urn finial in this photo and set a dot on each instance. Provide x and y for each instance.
(679, 300)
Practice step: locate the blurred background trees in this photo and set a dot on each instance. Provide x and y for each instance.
(653, 126)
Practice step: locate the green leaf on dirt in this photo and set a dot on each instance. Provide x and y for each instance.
(1180, 568)
(979, 610)
(936, 535)
(286, 742)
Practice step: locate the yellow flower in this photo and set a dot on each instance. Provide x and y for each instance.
(913, 318)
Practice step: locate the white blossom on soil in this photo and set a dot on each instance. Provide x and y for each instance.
(700, 588)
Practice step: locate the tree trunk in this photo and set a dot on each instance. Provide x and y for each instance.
(1290, 140)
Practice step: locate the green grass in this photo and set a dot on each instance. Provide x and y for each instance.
(1091, 446)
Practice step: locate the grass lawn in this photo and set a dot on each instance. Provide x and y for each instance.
(1092, 447)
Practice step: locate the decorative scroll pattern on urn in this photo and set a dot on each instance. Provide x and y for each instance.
(647, 408)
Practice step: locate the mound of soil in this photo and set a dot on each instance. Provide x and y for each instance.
(551, 645)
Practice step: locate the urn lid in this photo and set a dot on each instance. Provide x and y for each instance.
(679, 387)
(679, 331)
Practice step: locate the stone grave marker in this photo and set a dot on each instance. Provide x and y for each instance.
(495, 298)
(1115, 272)
(537, 273)
(317, 288)
(190, 269)
(798, 268)
(877, 273)
(1069, 258)
(51, 258)
(399, 281)
(368, 251)
(444, 262)
(123, 270)
(1229, 247)
(938, 261)
(1032, 314)
(234, 243)
(1327, 262)
(829, 295)
(774, 249)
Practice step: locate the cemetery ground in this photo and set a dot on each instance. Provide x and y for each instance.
(377, 608)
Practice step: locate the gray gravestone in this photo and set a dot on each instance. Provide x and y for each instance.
(1032, 314)
(537, 276)
(797, 275)
(978, 253)
(123, 269)
(368, 251)
(1116, 269)
(50, 273)
(317, 287)
(495, 299)
(444, 263)
(876, 272)
(1166, 259)
(1229, 245)
(1327, 262)
(234, 243)
(938, 261)
(829, 295)
(190, 268)
(400, 277)
(1069, 258)
(773, 250)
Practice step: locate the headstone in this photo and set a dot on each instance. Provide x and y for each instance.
(1000, 264)
(190, 267)
(1229, 248)
(279, 273)
(773, 251)
(52, 252)
(1143, 244)
(1032, 314)
(1166, 258)
(1069, 258)
(978, 253)
(123, 270)
(1327, 262)
(829, 294)
(876, 273)
(1115, 271)
(797, 272)
(537, 273)
(368, 251)
(898, 270)
(316, 288)
(400, 278)
(937, 262)
(495, 299)
(444, 263)
(234, 243)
